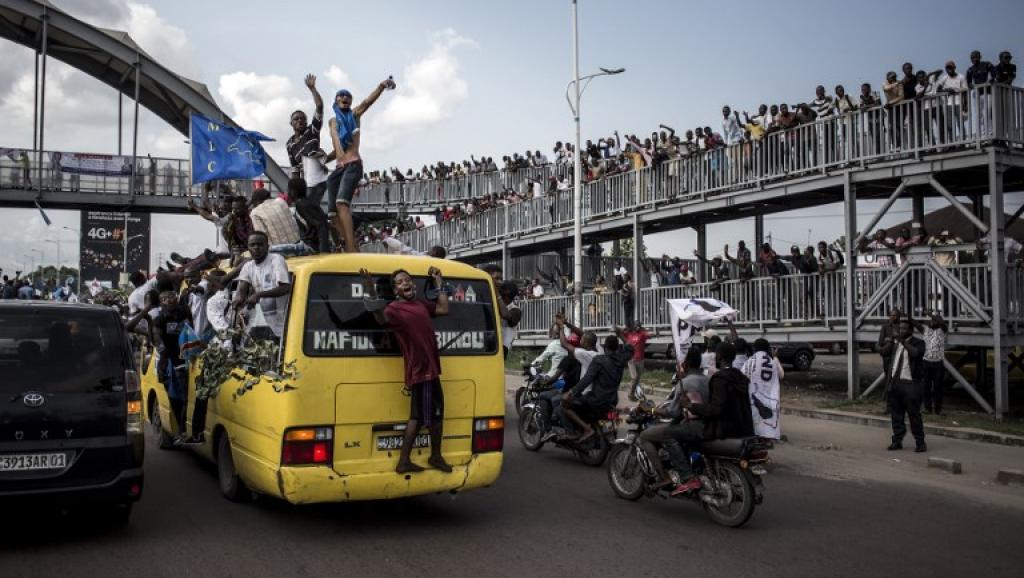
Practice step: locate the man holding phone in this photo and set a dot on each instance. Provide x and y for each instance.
(904, 387)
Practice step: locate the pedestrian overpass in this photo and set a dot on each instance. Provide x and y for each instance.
(114, 58)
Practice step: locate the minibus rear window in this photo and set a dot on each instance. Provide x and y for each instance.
(338, 324)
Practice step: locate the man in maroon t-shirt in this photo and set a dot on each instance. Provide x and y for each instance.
(409, 319)
(636, 336)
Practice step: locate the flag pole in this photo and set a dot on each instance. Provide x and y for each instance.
(191, 174)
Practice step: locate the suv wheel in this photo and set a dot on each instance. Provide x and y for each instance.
(802, 360)
(231, 485)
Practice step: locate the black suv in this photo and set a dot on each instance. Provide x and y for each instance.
(70, 409)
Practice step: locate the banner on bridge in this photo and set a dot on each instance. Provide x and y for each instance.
(89, 164)
(103, 246)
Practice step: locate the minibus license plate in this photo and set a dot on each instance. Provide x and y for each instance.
(386, 443)
(25, 462)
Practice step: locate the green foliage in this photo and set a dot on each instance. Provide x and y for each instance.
(248, 363)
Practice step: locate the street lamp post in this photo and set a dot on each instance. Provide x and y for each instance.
(78, 290)
(124, 244)
(58, 243)
(577, 189)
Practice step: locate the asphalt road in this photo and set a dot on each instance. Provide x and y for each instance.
(547, 516)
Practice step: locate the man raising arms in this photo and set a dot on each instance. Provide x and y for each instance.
(409, 319)
(343, 181)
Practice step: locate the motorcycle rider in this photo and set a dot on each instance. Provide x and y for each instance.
(553, 352)
(725, 414)
(695, 385)
(598, 391)
(570, 370)
(586, 350)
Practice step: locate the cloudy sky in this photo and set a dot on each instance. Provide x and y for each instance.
(484, 78)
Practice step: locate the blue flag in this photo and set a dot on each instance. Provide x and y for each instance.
(222, 152)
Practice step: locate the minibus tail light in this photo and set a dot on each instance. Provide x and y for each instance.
(488, 435)
(307, 446)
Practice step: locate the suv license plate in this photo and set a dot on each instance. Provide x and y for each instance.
(386, 443)
(26, 462)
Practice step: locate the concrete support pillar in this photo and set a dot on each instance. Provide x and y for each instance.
(702, 247)
(758, 232)
(918, 207)
(997, 262)
(850, 293)
(505, 260)
(639, 279)
(978, 208)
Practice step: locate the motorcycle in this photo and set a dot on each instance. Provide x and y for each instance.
(730, 471)
(533, 385)
(536, 430)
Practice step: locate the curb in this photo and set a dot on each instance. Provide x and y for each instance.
(968, 434)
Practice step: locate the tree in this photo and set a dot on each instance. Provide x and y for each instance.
(625, 249)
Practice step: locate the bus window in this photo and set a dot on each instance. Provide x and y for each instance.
(338, 324)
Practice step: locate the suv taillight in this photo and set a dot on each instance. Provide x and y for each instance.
(307, 446)
(133, 395)
(488, 434)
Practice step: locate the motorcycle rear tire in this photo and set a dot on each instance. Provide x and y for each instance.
(595, 456)
(742, 490)
(531, 429)
(626, 487)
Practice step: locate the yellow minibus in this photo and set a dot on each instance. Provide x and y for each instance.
(334, 433)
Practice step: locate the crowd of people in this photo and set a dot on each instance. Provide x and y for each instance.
(616, 154)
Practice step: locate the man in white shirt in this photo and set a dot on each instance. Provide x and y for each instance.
(266, 282)
(951, 85)
(538, 290)
(904, 387)
(732, 132)
(197, 298)
(218, 306)
(587, 349)
(137, 298)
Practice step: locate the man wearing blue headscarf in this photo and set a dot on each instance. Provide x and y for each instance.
(342, 182)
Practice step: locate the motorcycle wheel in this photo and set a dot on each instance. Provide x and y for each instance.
(520, 397)
(625, 475)
(531, 429)
(735, 483)
(596, 450)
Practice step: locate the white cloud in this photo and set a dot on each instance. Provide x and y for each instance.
(81, 112)
(428, 92)
(165, 42)
(430, 88)
(261, 102)
(338, 77)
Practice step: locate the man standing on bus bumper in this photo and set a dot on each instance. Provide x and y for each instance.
(409, 319)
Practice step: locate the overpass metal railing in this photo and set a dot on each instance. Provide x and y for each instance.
(979, 116)
(105, 174)
(439, 192)
(802, 300)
